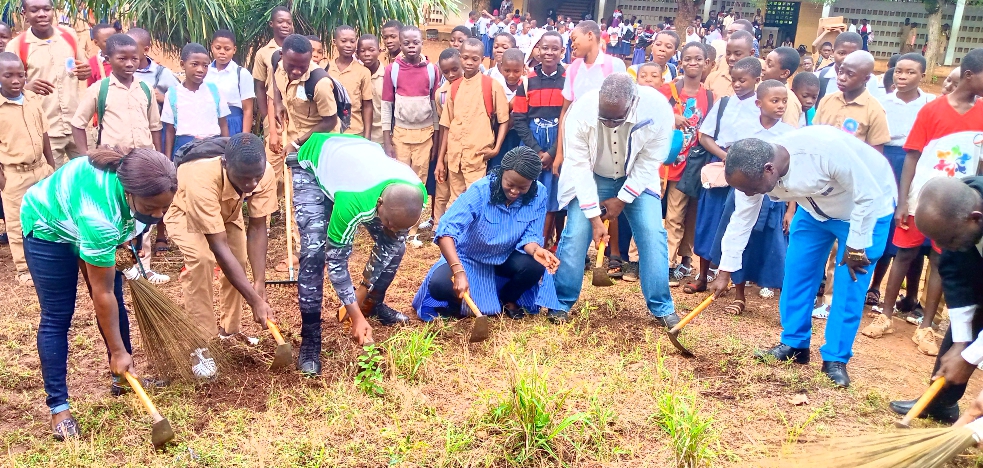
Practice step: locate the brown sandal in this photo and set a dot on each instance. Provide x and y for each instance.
(736, 307)
(693, 288)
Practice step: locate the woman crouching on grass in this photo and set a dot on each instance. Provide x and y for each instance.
(74, 220)
(490, 242)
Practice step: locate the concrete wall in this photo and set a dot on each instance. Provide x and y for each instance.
(805, 30)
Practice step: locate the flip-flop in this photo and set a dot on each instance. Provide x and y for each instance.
(614, 267)
(162, 245)
(692, 288)
(66, 429)
(736, 307)
(873, 297)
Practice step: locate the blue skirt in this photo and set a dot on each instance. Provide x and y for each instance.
(487, 41)
(764, 257)
(638, 57)
(234, 120)
(895, 157)
(484, 291)
(708, 212)
(179, 141)
(512, 141)
(545, 132)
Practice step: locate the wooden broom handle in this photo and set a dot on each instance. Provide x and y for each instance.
(692, 315)
(288, 195)
(923, 401)
(275, 331)
(600, 250)
(474, 308)
(138, 389)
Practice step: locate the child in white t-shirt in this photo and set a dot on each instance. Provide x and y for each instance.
(200, 106)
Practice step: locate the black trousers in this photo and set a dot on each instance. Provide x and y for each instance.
(523, 272)
(950, 394)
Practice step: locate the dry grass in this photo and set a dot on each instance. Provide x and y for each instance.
(606, 389)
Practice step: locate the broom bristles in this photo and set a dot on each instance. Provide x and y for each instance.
(922, 448)
(167, 331)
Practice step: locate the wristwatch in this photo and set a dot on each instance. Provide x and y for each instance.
(857, 255)
(295, 145)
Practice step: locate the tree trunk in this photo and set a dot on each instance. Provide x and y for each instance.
(687, 10)
(933, 51)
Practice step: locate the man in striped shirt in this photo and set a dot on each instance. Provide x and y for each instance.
(341, 182)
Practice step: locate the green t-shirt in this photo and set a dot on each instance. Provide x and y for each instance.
(353, 172)
(82, 206)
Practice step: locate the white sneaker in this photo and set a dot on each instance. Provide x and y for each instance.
(821, 312)
(766, 293)
(426, 225)
(202, 365)
(414, 241)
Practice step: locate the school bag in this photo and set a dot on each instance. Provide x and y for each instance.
(344, 103)
(101, 103)
(172, 101)
(629, 35)
(24, 47)
(606, 69)
(677, 143)
(486, 93)
(690, 182)
(433, 81)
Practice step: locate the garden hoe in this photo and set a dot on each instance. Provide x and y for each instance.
(674, 333)
(288, 196)
(283, 355)
(600, 274)
(921, 404)
(161, 432)
(479, 331)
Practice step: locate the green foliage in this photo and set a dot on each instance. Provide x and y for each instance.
(369, 376)
(409, 350)
(530, 417)
(691, 434)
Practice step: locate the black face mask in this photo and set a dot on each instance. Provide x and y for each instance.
(147, 219)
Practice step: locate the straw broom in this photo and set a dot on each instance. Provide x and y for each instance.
(922, 448)
(168, 333)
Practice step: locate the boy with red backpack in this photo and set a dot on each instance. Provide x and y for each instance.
(469, 137)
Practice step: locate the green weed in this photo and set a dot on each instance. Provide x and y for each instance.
(369, 376)
(692, 436)
(409, 350)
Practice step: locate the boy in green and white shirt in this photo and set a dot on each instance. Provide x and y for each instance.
(341, 182)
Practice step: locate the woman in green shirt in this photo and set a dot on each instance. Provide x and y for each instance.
(74, 220)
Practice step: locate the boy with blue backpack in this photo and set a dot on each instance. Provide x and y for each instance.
(201, 107)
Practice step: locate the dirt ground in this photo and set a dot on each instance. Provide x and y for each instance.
(610, 372)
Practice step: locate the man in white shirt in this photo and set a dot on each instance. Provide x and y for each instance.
(951, 214)
(838, 183)
(616, 138)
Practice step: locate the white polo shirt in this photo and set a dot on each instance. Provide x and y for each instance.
(234, 83)
(901, 115)
(197, 114)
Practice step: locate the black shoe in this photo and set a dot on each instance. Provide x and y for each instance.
(946, 414)
(389, 316)
(836, 371)
(122, 387)
(783, 352)
(668, 321)
(451, 312)
(514, 314)
(630, 270)
(558, 316)
(309, 358)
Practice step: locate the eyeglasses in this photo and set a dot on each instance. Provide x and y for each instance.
(613, 123)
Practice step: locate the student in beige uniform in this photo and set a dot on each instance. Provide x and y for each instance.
(216, 176)
(368, 54)
(25, 152)
(356, 79)
(55, 65)
(852, 108)
(131, 119)
(282, 24)
(468, 139)
(740, 45)
(450, 67)
(304, 116)
(780, 65)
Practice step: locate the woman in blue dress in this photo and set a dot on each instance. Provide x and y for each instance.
(490, 242)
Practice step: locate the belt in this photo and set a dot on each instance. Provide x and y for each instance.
(24, 167)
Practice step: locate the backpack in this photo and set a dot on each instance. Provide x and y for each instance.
(344, 103)
(101, 103)
(486, 93)
(24, 47)
(172, 101)
(677, 142)
(823, 83)
(629, 35)
(606, 69)
(690, 182)
(433, 81)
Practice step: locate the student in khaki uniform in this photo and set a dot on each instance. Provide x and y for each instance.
(450, 66)
(467, 139)
(780, 65)
(282, 24)
(740, 45)
(356, 79)
(368, 54)
(131, 118)
(304, 115)
(853, 109)
(215, 177)
(390, 40)
(25, 152)
(55, 65)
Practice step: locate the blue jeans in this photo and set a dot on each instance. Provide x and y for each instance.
(810, 241)
(55, 270)
(645, 218)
